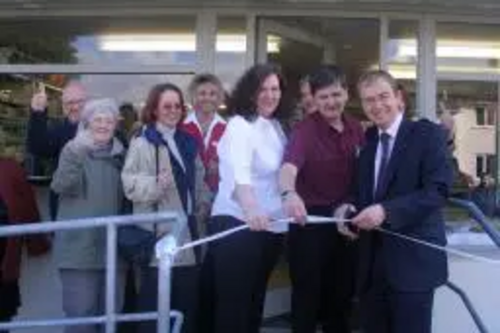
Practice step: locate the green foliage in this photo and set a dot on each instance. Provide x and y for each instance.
(26, 48)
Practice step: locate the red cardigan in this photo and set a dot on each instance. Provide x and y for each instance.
(207, 146)
(20, 201)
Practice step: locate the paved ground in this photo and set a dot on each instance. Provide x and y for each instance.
(41, 294)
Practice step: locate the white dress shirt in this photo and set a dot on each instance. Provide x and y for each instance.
(393, 132)
(250, 153)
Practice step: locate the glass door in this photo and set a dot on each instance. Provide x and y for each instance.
(296, 50)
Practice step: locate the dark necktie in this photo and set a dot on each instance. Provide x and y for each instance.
(384, 140)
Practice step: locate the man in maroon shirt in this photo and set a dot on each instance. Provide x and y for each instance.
(315, 179)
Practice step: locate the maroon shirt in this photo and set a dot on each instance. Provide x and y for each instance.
(325, 159)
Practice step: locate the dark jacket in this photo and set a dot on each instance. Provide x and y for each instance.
(20, 204)
(46, 140)
(415, 188)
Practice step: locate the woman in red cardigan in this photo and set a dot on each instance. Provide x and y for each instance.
(205, 124)
(17, 206)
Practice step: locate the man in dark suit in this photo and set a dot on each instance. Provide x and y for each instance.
(403, 180)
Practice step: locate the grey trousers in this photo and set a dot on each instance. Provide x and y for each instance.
(84, 295)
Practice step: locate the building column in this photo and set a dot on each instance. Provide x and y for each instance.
(206, 37)
(384, 40)
(426, 71)
(251, 40)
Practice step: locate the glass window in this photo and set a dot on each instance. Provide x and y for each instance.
(491, 164)
(15, 99)
(401, 49)
(480, 116)
(485, 165)
(468, 48)
(485, 116)
(301, 44)
(99, 41)
(231, 48)
(402, 58)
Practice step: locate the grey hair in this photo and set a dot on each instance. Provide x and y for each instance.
(204, 78)
(100, 105)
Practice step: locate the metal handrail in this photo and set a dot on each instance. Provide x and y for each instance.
(110, 318)
(122, 318)
(468, 304)
(494, 235)
(478, 216)
(85, 223)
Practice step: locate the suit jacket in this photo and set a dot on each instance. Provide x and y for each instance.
(416, 186)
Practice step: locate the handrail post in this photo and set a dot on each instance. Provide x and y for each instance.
(110, 318)
(494, 235)
(165, 254)
(111, 253)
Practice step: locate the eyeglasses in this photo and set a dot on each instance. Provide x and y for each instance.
(171, 107)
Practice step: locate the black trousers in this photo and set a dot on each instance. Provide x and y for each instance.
(5, 318)
(10, 300)
(322, 270)
(238, 268)
(184, 297)
(385, 310)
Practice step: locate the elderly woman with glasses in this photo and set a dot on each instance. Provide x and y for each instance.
(88, 183)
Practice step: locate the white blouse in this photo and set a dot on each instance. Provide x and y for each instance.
(250, 153)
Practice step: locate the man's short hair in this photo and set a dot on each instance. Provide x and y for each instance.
(373, 76)
(325, 76)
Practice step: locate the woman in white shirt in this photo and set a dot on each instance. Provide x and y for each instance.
(250, 154)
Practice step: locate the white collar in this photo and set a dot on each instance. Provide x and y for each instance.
(394, 128)
(191, 118)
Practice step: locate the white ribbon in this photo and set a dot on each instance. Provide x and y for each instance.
(321, 220)
(448, 250)
(223, 234)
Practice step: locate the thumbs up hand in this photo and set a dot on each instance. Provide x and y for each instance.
(39, 100)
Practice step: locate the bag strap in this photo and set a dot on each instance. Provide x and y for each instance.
(157, 160)
(182, 170)
(157, 173)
